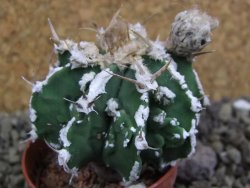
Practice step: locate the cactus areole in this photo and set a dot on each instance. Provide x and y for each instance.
(124, 100)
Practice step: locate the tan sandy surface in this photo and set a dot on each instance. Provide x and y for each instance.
(25, 48)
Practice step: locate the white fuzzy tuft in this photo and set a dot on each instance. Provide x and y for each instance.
(112, 107)
(97, 87)
(160, 117)
(157, 50)
(32, 114)
(138, 28)
(64, 133)
(63, 159)
(141, 142)
(143, 76)
(141, 115)
(134, 173)
(86, 78)
(164, 94)
(195, 103)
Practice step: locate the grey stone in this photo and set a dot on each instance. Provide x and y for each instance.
(3, 166)
(220, 172)
(242, 110)
(13, 155)
(199, 184)
(224, 157)
(234, 155)
(228, 181)
(245, 150)
(237, 184)
(14, 136)
(225, 113)
(217, 146)
(247, 132)
(200, 166)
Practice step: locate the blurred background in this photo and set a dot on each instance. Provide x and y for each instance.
(26, 50)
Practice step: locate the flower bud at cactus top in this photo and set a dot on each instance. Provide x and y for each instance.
(125, 97)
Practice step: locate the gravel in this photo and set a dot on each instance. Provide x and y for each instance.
(222, 157)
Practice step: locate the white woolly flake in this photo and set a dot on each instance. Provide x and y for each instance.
(86, 78)
(32, 114)
(64, 132)
(165, 94)
(160, 117)
(241, 104)
(112, 107)
(37, 87)
(138, 28)
(63, 158)
(125, 142)
(195, 103)
(82, 55)
(133, 129)
(141, 115)
(174, 122)
(143, 76)
(141, 142)
(157, 153)
(192, 133)
(97, 87)
(158, 51)
(206, 101)
(144, 97)
(134, 173)
(178, 136)
(176, 75)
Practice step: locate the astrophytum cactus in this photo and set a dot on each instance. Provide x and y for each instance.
(123, 100)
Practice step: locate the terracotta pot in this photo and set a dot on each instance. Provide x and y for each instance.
(37, 151)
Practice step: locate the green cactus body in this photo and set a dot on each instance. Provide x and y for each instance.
(137, 105)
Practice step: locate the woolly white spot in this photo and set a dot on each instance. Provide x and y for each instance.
(86, 78)
(141, 115)
(143, 76)
(125, 142)
(37, 87)
(158, 51)
(82, 55)
(133, 129)
(195, 103)
(97, 87)
(165, 94)
(144, 97)
(176, 75)
(157, 153)
(112, 107)
(63, 159)
(178, 136)
(174, 122)
(64, 132)
(160, 117)
(206, 101)
(138, 28)
(32, 114)
(134, 173)
(140, 142)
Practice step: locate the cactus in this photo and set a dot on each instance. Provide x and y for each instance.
(124, 100)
